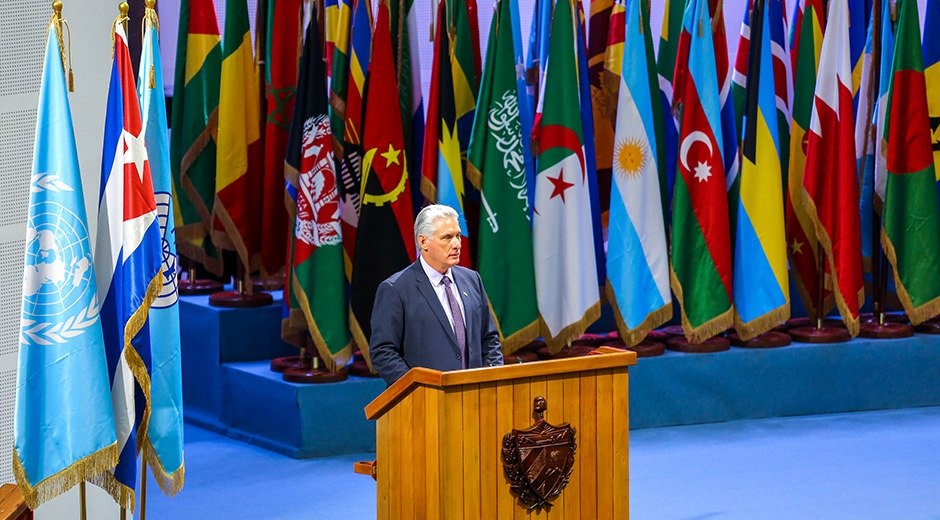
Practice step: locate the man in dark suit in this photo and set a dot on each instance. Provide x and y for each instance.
(433, 313)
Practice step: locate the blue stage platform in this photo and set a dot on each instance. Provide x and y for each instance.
(228, 388)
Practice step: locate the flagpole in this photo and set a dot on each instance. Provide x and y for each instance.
(143, 489)
(82, 500)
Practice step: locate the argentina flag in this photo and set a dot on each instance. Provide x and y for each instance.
(128, 264)
(637, 259)
(63, 424)
(163, 449)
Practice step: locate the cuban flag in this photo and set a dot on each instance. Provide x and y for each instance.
(128, 266)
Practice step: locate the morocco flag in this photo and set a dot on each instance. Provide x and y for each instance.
(701, 247)
(830, 184)
(910, 218)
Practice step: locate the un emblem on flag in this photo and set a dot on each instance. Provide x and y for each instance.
(168, 296)
(59, 298)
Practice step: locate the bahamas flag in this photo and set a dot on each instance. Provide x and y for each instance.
(701, 250)
(496, 164)
(637, 257)
(63, 426)
(163, 450)
(932, 75)
(910, 216)
(129, 267)
(565, 265)
(830, 182)
(761, 286)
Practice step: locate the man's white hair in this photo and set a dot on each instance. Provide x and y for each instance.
(424, 222)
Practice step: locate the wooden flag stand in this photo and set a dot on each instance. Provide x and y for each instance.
(307, 367)
(191, 285)
(244, 295)
(825, 331)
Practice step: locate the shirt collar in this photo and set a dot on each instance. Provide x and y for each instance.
(434, 276)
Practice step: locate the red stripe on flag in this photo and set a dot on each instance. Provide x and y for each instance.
(909, 122)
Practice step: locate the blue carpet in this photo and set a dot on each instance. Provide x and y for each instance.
(863, 465)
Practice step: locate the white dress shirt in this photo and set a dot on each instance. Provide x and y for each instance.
(437, 282)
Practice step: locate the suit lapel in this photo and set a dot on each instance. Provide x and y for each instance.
(424, 287)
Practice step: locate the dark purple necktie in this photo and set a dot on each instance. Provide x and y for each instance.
(459, 328)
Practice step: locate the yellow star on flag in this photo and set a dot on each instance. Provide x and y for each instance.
(391, 156)
(797, 247)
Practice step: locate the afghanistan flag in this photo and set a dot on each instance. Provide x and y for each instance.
(910, 220)
(195, 120)
(761, 286)
(318, 282)
(802, 245)
(637, 256)
(497, 167)
(565, 265)
(701, 250)
(385, 239)
(830, 183)
(236, 213)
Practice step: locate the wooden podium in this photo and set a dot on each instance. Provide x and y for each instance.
(440, 438)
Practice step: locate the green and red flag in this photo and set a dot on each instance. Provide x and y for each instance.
(318, 281)
(700, 268)
(195, 122)
(910, 216)
(282, 41)
(563, 236)
(442, 169)
(497, 167)
(830, 183)
(385, 238)
(802, 245)
(236, 212)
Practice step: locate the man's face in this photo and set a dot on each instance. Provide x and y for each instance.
(441, 250)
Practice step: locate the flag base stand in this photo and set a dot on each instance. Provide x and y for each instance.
(672, 331)
(359, 367)
(825, 334)
(887, 330)
(240, 300)
(931, 326)
(769, 339)
(715, 344)
(311, 373)
(567, 351)
(280, 364)
(197, 286)
(648, 348)
(798, 323)
(522, 355)
(267, 284)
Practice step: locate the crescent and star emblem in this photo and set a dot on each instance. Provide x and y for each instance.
(702, 170)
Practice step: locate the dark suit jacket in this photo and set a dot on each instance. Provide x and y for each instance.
(410, 329)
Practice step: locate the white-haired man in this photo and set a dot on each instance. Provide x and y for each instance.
(433, 313)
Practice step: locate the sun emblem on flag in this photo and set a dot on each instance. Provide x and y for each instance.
(631, 156)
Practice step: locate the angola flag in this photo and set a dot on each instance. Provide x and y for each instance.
(385, 239)
(282, 36)
(565, 265)
(350, 163)
(910, 215)
(497, 167)
(802, 245)
(195, 123)
(236, 213)
(761, 286)
(701, 250)
(932, 74)
(318, 282)
(830, 183)
(442, 176)
(637, 255)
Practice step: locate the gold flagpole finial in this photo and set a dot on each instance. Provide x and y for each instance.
(57, 8)
(56, 23)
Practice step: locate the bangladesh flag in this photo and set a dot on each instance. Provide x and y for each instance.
(496, 166)
(910, 217)
(195, 121)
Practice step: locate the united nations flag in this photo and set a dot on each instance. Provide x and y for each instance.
(64, 424)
